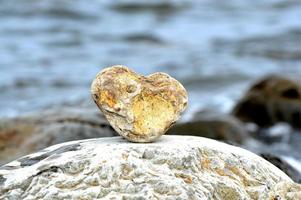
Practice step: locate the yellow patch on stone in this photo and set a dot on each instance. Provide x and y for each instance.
(151, 113)
(107, 98)
(205, 163)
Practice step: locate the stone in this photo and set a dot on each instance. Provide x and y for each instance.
(139, 108)
(272, 99)
(212, 125)
(286, 191)
(32, 132)
(174, 167)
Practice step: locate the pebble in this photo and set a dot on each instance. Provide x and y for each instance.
(140, 108)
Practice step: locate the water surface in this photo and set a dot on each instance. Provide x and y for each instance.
(51, 49)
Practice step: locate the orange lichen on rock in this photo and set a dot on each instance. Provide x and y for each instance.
(139, 108)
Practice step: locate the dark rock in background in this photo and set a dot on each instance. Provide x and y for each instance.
(271, 100)
(212, 125)
(23, 135)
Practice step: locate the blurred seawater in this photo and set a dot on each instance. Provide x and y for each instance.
(50, 50)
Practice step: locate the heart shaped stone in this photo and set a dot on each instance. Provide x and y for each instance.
(139, 108)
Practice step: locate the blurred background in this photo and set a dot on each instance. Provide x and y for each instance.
(50, 51)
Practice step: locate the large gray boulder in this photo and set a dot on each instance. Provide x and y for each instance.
(175, 167)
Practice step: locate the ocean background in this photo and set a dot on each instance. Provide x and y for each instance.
(50, 50)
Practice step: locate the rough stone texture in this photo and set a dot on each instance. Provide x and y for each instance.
(212, 125)
(285, 191)
(175, 167)
(139, 108)
(23, 135)
(271, 100)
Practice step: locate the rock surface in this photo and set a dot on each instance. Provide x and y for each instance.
(139, 108)
(23, 135)
(271, 100)
(175, 167)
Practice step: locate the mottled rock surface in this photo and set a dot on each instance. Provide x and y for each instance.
(175, 167)
(23, 135)
(271, 100)
(140, 108)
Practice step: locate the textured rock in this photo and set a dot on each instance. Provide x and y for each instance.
(212, 125)
(285, 191)
(23, 135)
(271, 100)
(139, 108)
(175, 167)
